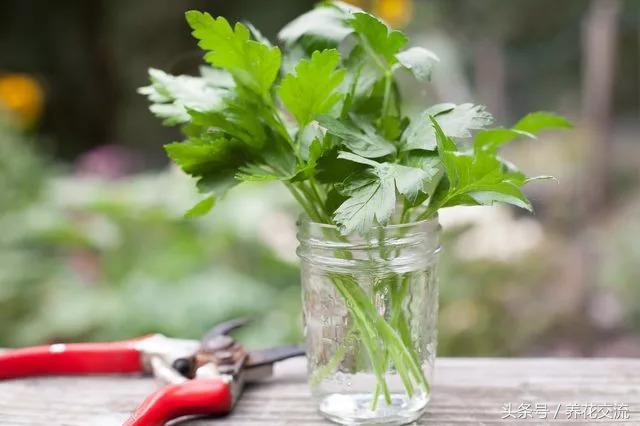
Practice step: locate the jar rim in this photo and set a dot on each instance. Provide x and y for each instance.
(412, 244)
(432, 222)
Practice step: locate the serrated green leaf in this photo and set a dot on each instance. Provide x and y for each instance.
(492, 139)
(476, 177)
(409, 180)
(372, 193)
(362, 76)
(252, 64)
(370, 201)
(312, 90)
(334, 200)
(327, 21)
(502, 192)
(331, 170)
(392, 127)
(431, 164)
(285, 172)
(240, 119)
(202, 207)
(425, 160)
(539, 121)
(377, 38)
(316, 150)
(214, 162)
(456, 121)
(362, 141)
(528, 127)
(419, 61)
(171, 96)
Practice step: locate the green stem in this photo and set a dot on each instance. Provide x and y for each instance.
(306, 205)
(399, 321)
(386, 343)
(281, 128)
(396, 313)
(397, 349)
(320, 197)
(388, 78)
(314, 202)
(432, 209)
(367, 333)
(398, 293)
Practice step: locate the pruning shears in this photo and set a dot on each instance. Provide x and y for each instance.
(203, 377)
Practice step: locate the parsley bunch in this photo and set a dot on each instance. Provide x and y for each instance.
(323, 114)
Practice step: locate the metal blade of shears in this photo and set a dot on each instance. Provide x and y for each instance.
(262, 357)
(259, 364)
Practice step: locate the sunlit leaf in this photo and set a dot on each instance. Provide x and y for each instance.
(362, 141)
(312, 90)
(419, 61)
(252, 63)
(456, 121)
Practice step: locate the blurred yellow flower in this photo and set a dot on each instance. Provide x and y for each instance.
(396, 13)
(22, 96)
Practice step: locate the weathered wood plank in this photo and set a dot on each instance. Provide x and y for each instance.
(466, 391)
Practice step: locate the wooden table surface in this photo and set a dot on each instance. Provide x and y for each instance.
(465, 391)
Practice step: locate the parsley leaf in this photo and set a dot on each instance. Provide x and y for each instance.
(252, 64)
(431, 164)
(455, 120)
(473, 178)
(419, 61)
(372, 193)
(171, 96)
(213, 161)
(201, 208)
(312, 90)
(377, 38)
(539, 121)
(528, 127)
(265, 173)
(359, 137)
(333, 131)
(492, 139)
(370, 201)
(239, 120)
(327, 21)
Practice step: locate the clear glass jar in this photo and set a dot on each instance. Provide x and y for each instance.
(370, 313)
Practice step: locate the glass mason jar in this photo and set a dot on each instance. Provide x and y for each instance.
(370, 311)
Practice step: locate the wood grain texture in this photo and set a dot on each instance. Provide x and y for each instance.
(466, 391)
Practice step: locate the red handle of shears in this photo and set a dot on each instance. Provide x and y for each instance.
(193, 397)
(73, 358)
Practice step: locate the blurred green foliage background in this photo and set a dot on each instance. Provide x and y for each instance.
(94, 244)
